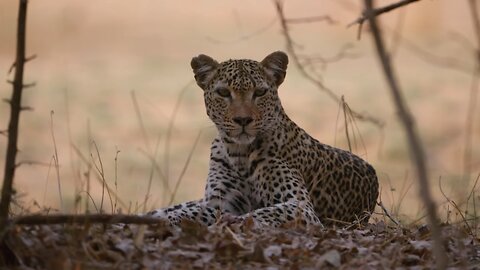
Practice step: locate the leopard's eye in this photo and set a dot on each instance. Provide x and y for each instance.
(223, 92)
(260, 92)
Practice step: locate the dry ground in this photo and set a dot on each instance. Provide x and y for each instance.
(374, 246)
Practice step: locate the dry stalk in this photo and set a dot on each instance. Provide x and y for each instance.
(454, 204)
(171, 124)
(116, 180)
(98, 177)
(184, 169)
(55, 160)
(46, 182)
(102, 174)
(414, 143)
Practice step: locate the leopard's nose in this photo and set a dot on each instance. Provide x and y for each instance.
(243, 121)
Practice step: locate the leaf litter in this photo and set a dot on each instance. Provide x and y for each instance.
(234, 246)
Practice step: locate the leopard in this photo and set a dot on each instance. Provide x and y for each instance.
(263, 167)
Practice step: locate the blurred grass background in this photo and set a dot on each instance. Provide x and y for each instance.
(93, 54)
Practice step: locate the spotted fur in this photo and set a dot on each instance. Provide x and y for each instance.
(262, 164)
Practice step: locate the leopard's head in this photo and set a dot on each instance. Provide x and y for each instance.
(241, 95)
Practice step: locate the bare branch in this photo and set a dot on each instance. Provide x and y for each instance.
(29, 85)
(24, 61)
(378, 11)
(15, 109)
(290, 49)
(32, 162)
(414, 143)
(325, 18)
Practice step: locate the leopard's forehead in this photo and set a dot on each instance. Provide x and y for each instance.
(241, 75)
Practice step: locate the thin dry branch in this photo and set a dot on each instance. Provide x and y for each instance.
(26, 60)
(388, 213)
(15, 109)
(79, 219)
(102, 174)
(414, 143)
(56, 162)
(298, 63)
(378, 11)
(325, 18)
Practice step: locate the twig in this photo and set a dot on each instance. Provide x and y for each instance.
(473, 188)
(33, 162)
(46, 181)
(325, 18)
(414, 143)
(91, 199)
(344, 106)
(388, 213)
(79, 219)
(290, 48)
(15, 108)
(116, 178)
(26, 60)
(235, 237)
(366, 15)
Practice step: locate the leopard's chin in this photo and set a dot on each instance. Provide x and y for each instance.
(243, 138)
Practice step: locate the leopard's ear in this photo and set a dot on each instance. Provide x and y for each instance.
(275, 65)
(204, 68)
